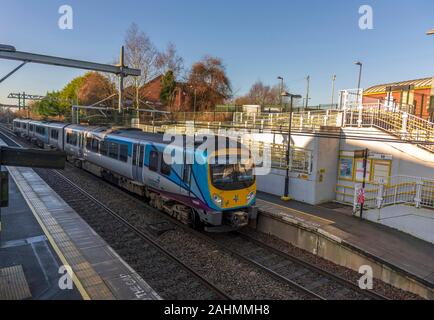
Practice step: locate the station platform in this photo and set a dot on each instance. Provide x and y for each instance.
(40, 234)
(397, 250)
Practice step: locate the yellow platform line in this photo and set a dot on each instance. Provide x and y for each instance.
(53, 243)
(298, 211)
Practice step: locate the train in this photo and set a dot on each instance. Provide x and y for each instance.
(204, 193)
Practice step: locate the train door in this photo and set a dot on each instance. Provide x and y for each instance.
(185, 176)
(138, 161)
(80, 145)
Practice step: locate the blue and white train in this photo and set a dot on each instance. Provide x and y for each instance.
(220, 197)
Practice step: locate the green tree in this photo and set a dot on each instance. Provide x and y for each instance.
(168, 85)
(70, 91)
(51, 105)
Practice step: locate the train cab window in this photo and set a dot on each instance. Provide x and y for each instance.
(165, 168)
(54, 134)
(71, 138)
(113, 150)
(103, 148)
(17, 124)
(153, 161)
(123, 153)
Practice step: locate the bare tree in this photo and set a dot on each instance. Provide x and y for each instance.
(141, 54)
(170, 60)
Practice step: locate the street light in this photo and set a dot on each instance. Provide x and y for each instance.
(281, 92)
(333, 89)
(358, 63)
(288, 147)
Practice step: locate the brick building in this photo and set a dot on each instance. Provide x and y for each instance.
(150, 92)
(413, 96)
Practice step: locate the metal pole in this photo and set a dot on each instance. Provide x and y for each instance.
(365, 165)
(121, 79)
(333, 89)
(194, 110)
(288, 153)
(359, 82)
(307, 92)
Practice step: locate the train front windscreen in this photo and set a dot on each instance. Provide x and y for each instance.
(232, 176)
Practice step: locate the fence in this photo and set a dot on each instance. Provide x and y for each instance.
(400, 124)
(413, 191)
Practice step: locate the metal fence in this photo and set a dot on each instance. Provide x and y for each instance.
(412, 191)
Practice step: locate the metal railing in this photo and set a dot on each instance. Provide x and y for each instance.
(412, 191)
(400, 124)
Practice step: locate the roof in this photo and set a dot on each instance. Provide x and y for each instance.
(418, 83)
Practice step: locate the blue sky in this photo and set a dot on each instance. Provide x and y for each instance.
(257, 40)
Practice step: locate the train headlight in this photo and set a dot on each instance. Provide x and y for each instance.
(217, 200)
(250, 196)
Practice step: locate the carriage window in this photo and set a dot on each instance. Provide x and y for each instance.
(95, 145)
(54, 134)
(89, 143)
(31, 127)
(123, 153)
(165, 168)
(71, 138)
(153, 161)
(24, 126)
(103, 148)
(113, 150)
(17, 124)
(40, 130)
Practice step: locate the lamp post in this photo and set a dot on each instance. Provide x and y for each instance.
(358, 63)
(288, 147)
(281, 92)
(333, 89)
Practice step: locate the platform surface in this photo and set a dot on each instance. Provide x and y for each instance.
(412, 255)
(41, 233)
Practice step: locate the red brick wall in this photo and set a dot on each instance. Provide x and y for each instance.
(417, 101)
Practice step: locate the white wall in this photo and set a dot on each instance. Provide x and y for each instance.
(408, 160)
(417, 222)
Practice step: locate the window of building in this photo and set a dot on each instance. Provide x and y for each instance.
(123, 153)
(153, 161)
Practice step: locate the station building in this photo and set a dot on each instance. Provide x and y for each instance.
(413, 96)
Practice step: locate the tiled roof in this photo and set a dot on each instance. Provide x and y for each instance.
(418, 83)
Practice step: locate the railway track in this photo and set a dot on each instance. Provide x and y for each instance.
(306, 278)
